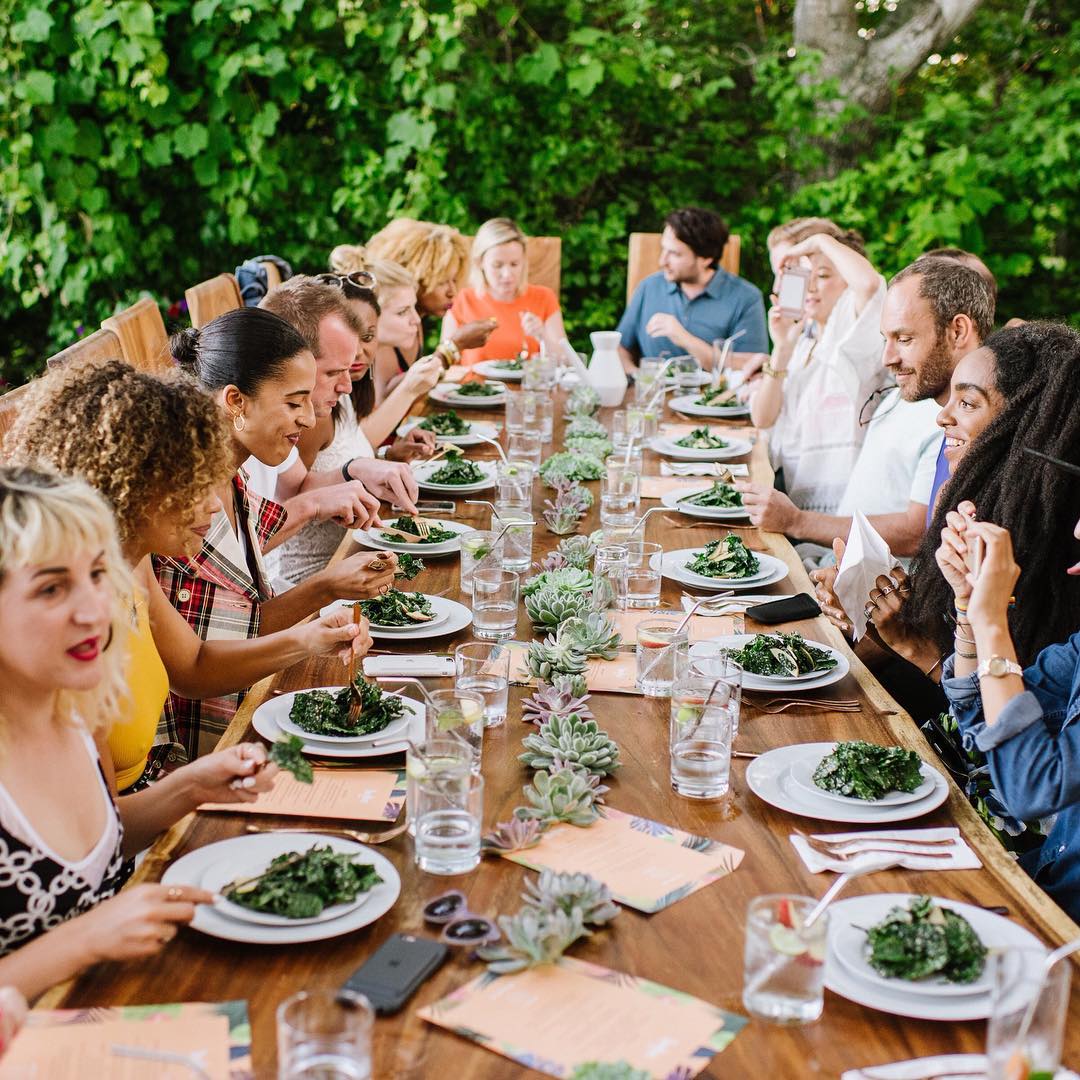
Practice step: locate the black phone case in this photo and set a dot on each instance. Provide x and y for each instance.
(393, 973)
(790, 609)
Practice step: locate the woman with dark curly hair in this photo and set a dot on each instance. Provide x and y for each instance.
(157, 449)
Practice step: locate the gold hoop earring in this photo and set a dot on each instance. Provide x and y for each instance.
(239, 422)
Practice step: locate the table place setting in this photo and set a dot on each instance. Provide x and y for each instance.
(736, 470)
(700, 444)
(487, 395)
(941, 1067)
(735, 605)
(914, 849)
(416, 539)
(446, 617)
(675, 566)
(455, 430)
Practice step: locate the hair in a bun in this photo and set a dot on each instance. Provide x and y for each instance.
(184, 346)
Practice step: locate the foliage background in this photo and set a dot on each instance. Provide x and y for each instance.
(145, 146)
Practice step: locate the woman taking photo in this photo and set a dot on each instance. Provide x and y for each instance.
(524, 315)
(64, 595)
(162, 491)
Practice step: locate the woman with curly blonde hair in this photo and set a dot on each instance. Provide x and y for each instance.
(157, 449)
(437, 256)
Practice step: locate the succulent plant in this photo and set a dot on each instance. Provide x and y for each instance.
(567, 466)
(549, 607)
(582, 401)
(572, 684)
(599, 446)
(584, 427)
(593, 634)
(577, 551)
(553, 891)
(513, 835)
(573, 741)
(550, 701)
(566, 794)
(549, 658)
(609, 1070)
(569, 506)
(565, 579)
(532, 937)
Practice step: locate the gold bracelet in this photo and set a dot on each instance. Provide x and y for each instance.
(451, 349)
(776, 373)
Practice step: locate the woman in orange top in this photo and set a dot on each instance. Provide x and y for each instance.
(526, 314)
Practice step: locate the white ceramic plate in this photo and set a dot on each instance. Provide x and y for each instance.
(265, 724)
(243, 850)
(450, 617)
(492, 369)
(280, 706)
(685, 404)
(476, 429)
(372, 538)
(676, 500)
(769, 778)
(802, 772)
(447, 393)
(673, 566)
(848, 974)
(735, 448)
(767, 682)
(425, 469)
(225, 872)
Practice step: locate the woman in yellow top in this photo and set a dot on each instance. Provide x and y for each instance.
(525, 315)
(157, 449)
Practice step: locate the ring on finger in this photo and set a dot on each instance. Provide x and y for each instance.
(868, 612)
(887, 590)
(174, 893)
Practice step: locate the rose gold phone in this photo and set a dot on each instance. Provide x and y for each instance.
(791, 291)
(976, 549)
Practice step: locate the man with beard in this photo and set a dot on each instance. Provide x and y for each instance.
(691, 301)
(936, 310)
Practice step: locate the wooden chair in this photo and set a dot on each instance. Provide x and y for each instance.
(273, 275)
(95, 347)
(643, 258)
(141, 330)
(544, 257)
(9, 411)
(209, 299)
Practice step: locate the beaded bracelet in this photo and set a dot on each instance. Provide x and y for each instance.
(967, 655)
(776, 373)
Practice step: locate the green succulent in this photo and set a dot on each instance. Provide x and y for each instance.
(582, 401)
(549, 658)
(584, 427)
(571, 740)
(593, 634)
(552, 701)
(532, 937)
(599, 446)
(566, 579)
(573, 684)
(571, 503)
(571, 466)
(565, 794)
(582, 893)
(550, 606)
(577, 551)
(608, 1070)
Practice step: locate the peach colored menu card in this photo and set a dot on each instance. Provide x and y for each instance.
(656, 487)
(342, 794)
(647, 865)
(558, 1017)
(616, 676)
(701, 627)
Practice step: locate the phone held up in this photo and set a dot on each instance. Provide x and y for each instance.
(791, 291)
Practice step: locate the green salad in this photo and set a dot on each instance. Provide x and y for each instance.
(408, 566)
(288, 755)
(925, 939)
(436, 533)
(701, 439)
(478, 389)
(785, 655)
(719, 495)
(447, 423)
(457, 470)
(397, 608)
(718, 397)
(862, 770)
(510, 365)
(321, 712)
(728, 557)
(300, 885)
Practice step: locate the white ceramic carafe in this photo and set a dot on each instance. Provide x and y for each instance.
(606, 374)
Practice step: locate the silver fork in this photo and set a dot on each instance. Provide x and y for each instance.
(349, 834)
(779, 705)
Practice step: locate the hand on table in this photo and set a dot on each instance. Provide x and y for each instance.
(768, 508)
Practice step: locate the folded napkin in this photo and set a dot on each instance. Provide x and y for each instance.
(961, 1066)
(734, 605)
(961, 856)
(866, 558)
(416, 667)
(702, 468)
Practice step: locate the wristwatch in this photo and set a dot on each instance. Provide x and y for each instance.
(998, 667)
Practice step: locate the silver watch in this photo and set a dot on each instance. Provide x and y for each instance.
(997, 667)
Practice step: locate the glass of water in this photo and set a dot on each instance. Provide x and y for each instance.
(610, 566)
(518, 539)
(540, 415)
(662, 656)
(539, 373)
(524, 446)
(714, 663)
(700, 737)
(644, 421)
(647, 380)
(625, 425)
(484, 668)
(784, 967)
(515, 411)
(687, 373)
(515, 484)
(448, 823)
(643, 574)
(619, 497)
(458, 715)
(633, 462)
(479, 551)
(324, 1033)
(451, 755)
(495, 604)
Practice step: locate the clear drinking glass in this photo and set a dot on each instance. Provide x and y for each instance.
(449, 818)
(687, 370)
(643, 574)
(622, 477)
(662, 656)
(495, 604)
(713, 662)
(539, 414)
(457, 715)
(539, 374)
(515, 484)
(518, 540)
(633, 461)
(451, 755)
(324, 1033)
(484, 668)
(702, 723)
(515, 412)
(619, 496)
(524, 446)
(784, 967)
(625, 425)
(610, 566)
(647, 379)
(1017, 978)
(479, 551)
(645, 421)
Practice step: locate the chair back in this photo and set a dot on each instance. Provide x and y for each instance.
(141, 330)
(273, 275)
(98, 346)
(643, 258)
(9, 411)
(209, 299)
(543, 255)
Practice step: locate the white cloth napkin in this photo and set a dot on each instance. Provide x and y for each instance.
(866, 558)
(416, 667)
(702, 468)
(962, 857)
(962, 1066)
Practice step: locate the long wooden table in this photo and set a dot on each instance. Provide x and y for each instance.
(695, 945)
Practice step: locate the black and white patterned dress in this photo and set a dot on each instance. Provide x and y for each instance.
(38, 888)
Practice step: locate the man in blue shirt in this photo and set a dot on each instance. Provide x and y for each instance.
(691, 301)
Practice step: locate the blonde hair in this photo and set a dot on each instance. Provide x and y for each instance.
(44, 517)
(799, 229)
(348, 258)
(491, 234)
(431, 253)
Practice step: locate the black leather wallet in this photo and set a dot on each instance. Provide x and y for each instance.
(790, 609)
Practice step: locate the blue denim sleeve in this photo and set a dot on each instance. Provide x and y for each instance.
(630, 323)
(751, 318)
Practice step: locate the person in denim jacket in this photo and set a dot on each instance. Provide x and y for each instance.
(1026, 721)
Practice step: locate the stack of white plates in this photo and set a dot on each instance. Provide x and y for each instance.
(673, 566)
(849, 974)
(424, 470)
(677, 500)
(216, 865)
(687, 404)
(472, 438)
(449, 393)
(780, 684)
(450, 617)
(671, 449)
(374, 538)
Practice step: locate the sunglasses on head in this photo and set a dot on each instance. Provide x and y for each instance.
(361, 279)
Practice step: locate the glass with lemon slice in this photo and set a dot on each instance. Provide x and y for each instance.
(784, 969)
